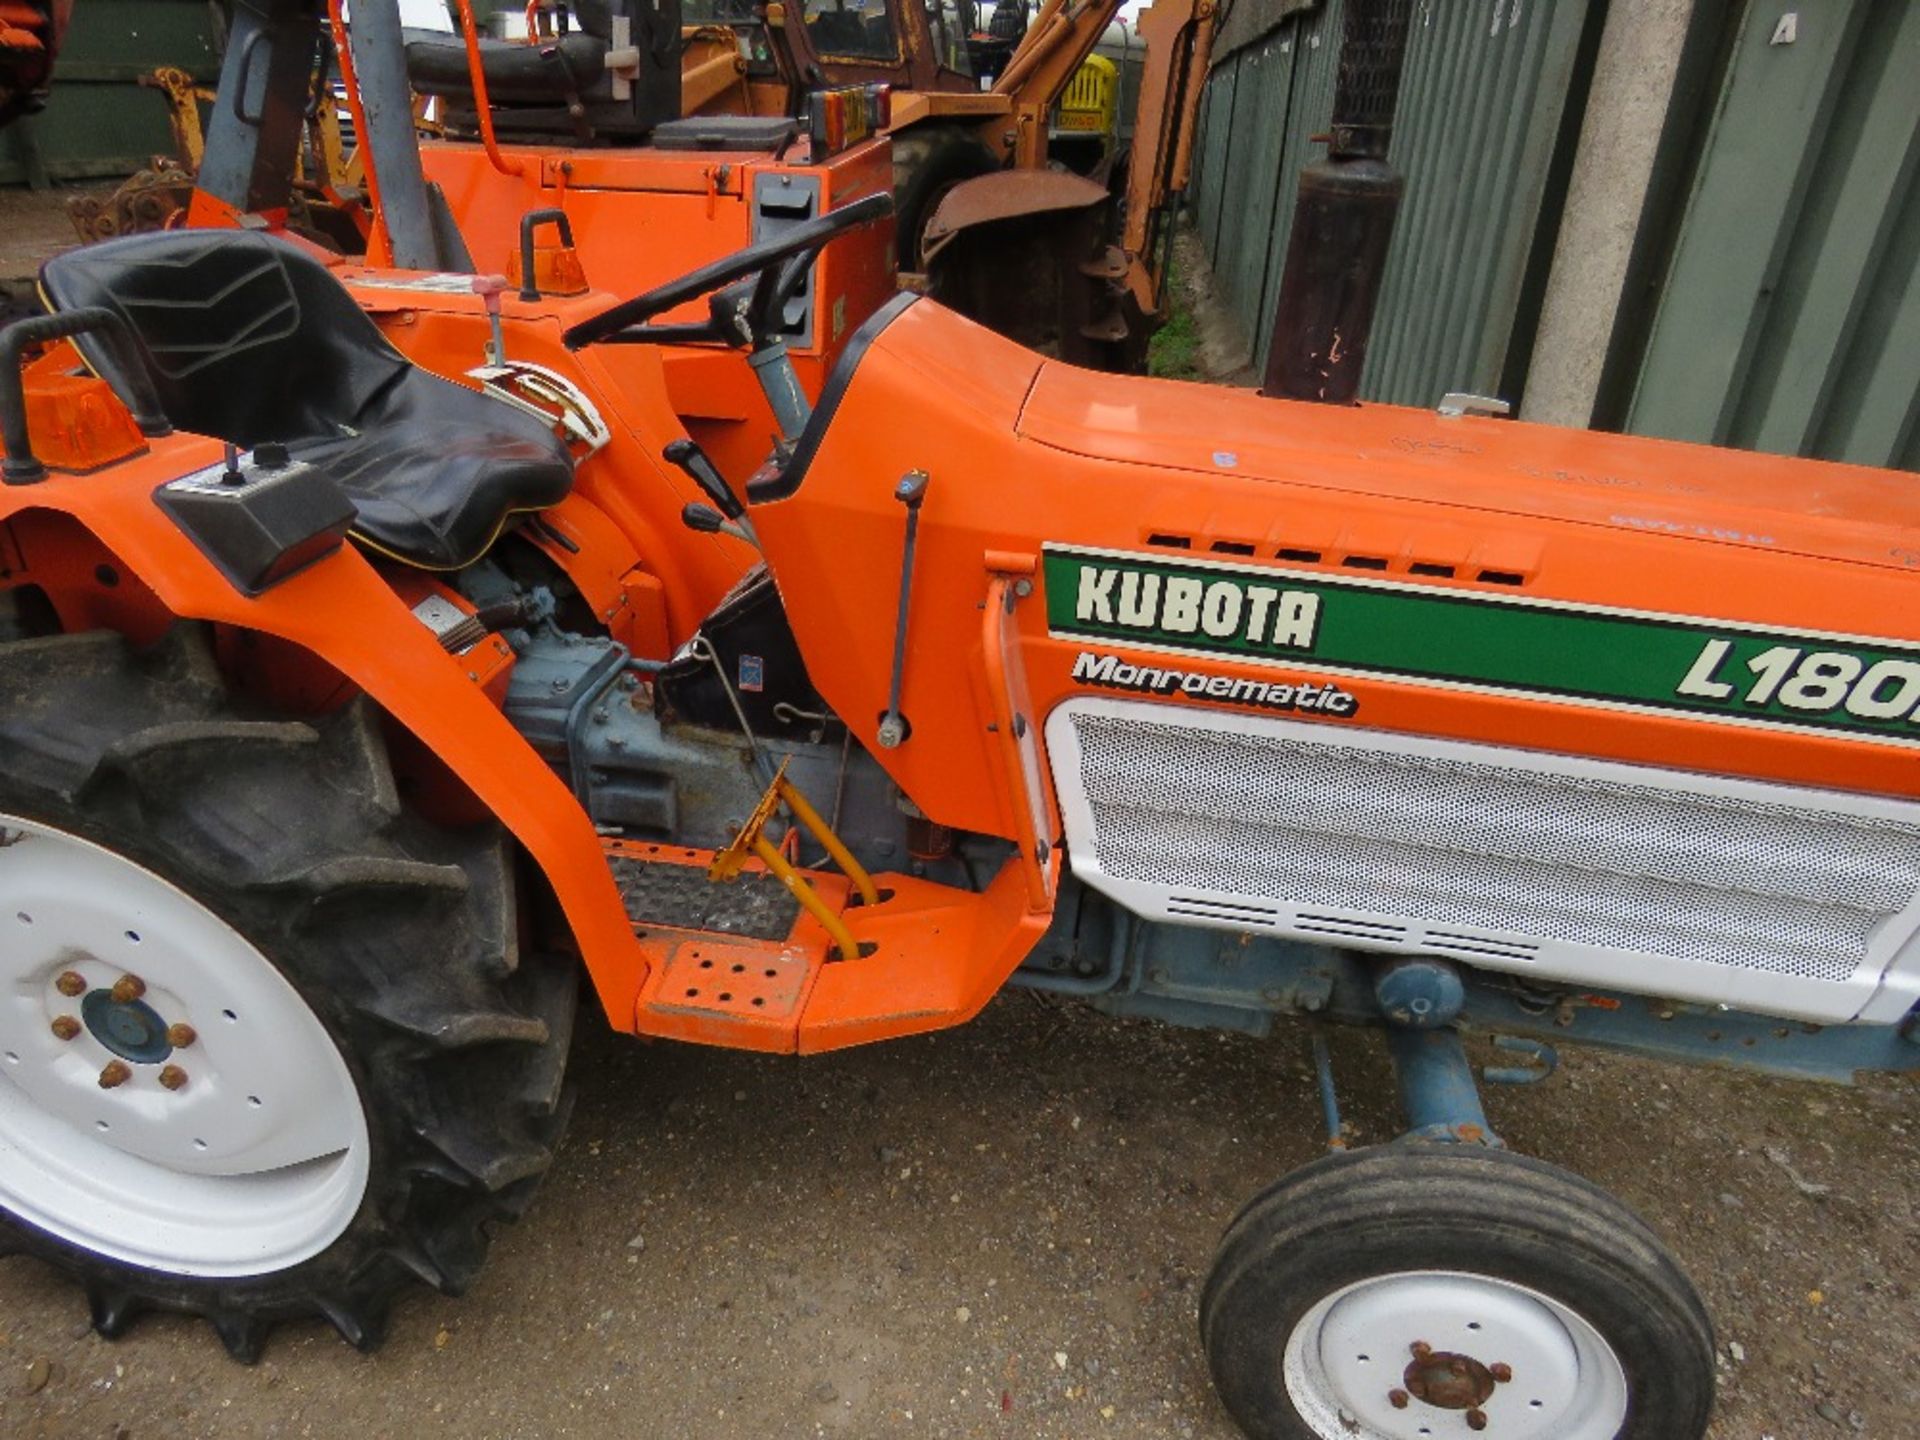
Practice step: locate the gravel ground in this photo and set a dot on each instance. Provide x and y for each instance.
(1002, 1231)
(33, 228)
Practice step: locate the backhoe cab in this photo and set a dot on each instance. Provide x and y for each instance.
(385, 647)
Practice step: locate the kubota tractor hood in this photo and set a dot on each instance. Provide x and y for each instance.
(1833, 511)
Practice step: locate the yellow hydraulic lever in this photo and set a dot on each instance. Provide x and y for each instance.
(752, 840)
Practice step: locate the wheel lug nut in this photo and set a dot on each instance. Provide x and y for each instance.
(182, 1035)
(172, 1077)
(1398, 1399)
(1476, 1419)
(65, 1027)
(1501, 1371)
(127, 989)
(71, 984)
(117, 1073)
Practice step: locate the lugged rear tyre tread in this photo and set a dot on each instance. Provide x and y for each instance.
(403, 938)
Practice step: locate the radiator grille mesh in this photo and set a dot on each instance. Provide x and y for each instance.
(1462, 843)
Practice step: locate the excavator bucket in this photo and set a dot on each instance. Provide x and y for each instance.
(1026, 253)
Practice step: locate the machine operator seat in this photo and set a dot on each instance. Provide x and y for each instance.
(251, 339)
(562, 85)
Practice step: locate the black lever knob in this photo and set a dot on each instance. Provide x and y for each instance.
(688, 456)
(703, 518)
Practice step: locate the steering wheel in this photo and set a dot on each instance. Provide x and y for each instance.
(747, 290)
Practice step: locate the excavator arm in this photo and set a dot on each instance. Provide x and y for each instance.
(1103, 299)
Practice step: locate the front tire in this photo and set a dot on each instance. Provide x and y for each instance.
(268, 1045)
(1419, 1290)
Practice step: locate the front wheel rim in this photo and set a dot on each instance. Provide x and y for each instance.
(1489, 1356)
(197, 1120)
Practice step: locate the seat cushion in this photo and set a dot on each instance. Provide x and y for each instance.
(431, 489)
(250, 339)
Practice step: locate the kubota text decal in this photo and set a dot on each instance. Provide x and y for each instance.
(1587, 654)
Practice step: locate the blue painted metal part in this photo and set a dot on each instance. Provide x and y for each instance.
(1329, 1097)
(1437, 1090)
(1222, 980)
(1546, 1060)
(1420, 994)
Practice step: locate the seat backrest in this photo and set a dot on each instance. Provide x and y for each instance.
(246, 338)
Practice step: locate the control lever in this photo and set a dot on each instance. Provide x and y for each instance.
(688, 455)
(706, 520)
(912, 493)
(490, 288)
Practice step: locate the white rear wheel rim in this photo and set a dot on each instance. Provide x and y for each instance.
(258, 1161)
(1346, 1362)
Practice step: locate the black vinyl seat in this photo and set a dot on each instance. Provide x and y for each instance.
(250, 340)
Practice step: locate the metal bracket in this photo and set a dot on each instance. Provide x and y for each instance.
(1545, 1060)
(623, 58)
(526, 387)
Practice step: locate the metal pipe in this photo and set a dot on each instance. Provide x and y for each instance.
(1329, 1096)
(477, 73)
(1437, 1090)
(1342, 221)
(350, 82)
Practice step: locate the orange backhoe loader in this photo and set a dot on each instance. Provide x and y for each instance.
(383, 650)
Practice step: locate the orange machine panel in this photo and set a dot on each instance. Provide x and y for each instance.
(1619, 598)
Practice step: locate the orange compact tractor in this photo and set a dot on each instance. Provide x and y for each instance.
(351, 711)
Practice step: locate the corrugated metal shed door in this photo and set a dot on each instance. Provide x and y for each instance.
(1790, 317)
(1481, 105)
(99, 121)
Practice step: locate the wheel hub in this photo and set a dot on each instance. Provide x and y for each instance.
(1446, 1380)
(134, 1031)
(1434, 1354)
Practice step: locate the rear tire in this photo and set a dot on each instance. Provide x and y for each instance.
(391, 1081)
(927, 163)
(1543, 1303)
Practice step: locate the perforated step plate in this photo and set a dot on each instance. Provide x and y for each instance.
(731, 963)
(1777, 899)
(668, 888)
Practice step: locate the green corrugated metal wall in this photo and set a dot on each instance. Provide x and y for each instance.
(1790, 316)
(99, 122)
(1481, 104)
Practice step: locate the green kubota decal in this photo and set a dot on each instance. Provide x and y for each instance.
(1700, 667)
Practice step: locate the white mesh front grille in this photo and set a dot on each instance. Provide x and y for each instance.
(1443, 847)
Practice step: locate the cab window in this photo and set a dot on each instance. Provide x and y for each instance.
(951, 21)
(852, 29)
